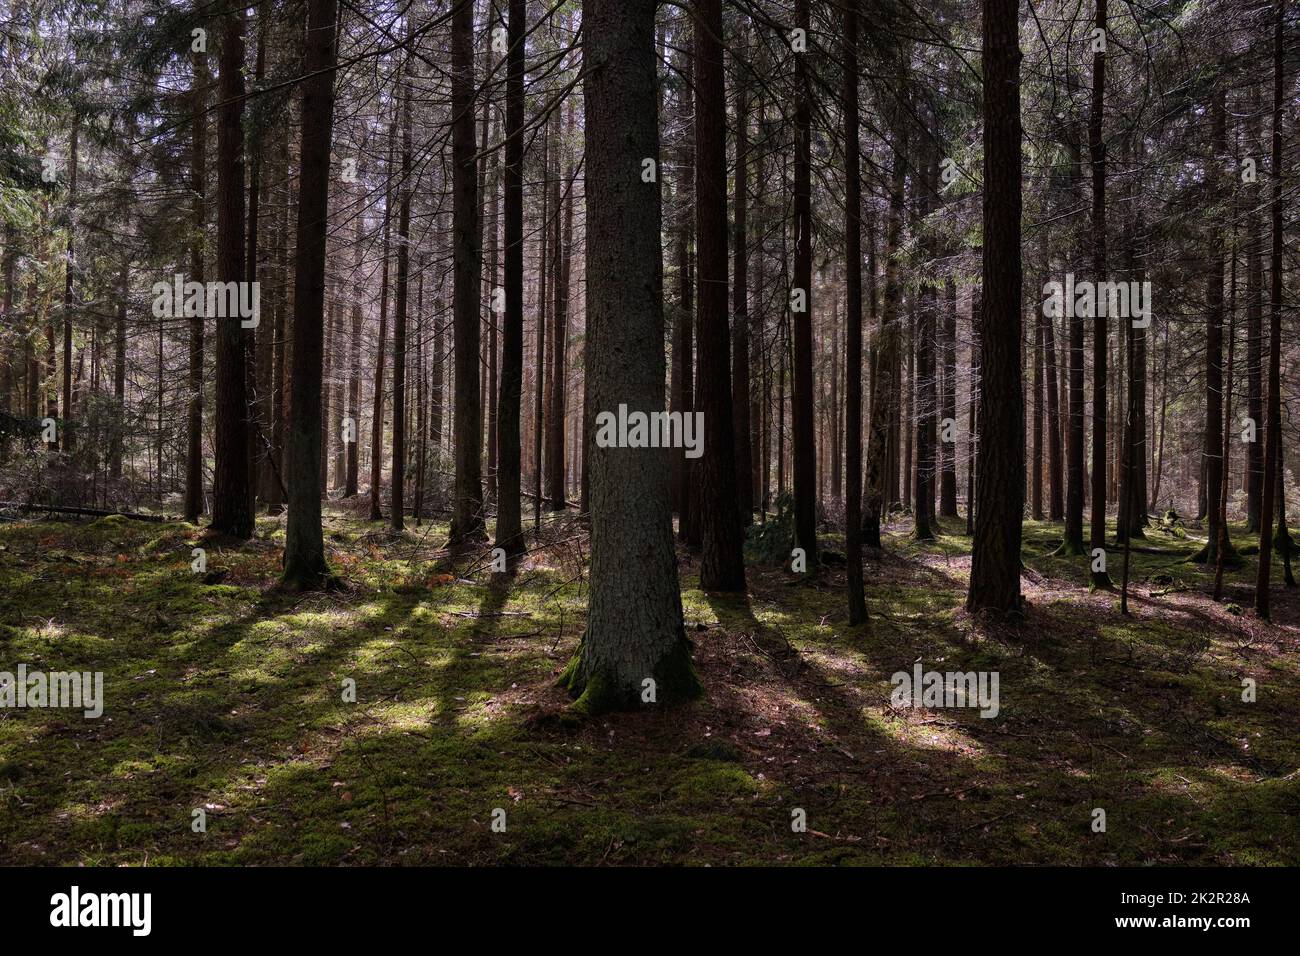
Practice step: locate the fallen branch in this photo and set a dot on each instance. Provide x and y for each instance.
(84, 512)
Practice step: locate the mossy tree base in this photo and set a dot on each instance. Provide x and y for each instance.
(599, 689)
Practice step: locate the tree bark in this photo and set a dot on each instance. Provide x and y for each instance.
(995, 551)
(232, 511)
(304, 549)
(634, 628)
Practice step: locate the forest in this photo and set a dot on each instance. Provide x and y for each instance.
(633, 433)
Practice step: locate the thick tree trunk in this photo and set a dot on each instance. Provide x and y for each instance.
(999, 511)
(232, 511)
(304, 548)
(467, 517)
(634, 629)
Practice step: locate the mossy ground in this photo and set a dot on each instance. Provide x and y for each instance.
(227, 697)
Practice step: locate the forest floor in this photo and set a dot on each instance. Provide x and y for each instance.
(224, 694)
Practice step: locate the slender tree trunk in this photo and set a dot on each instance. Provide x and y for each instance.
(352, 465)
(1254, 338)
(377, 406)
(948, 448)
(884, 380)
(741, 399)
(198, 181)
(1215, 462)
(69, 429)
(853, 319)
(397, 491)
(555, 469)
(805, 439)
(1100, 332)
(1273, 440)
(509, 527)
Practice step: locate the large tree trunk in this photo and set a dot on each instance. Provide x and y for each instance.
(232, 511)
(634, 629)
(509, 527)
(304, 547)
(722, 567)
(467, 517)
(999, 510)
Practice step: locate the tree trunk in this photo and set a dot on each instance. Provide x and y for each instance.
(304, 547)
(397, 489)
(634, 629)
(741, 407)
(467, 518)
(232, 511)
(805, 439)
(853, 319)
(555, 469)
(1273, 441)
(198, 180)
(995, 551)
(377, 406)
(721, 565)
(509, 527)
(884, 380)
(1100, 333)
